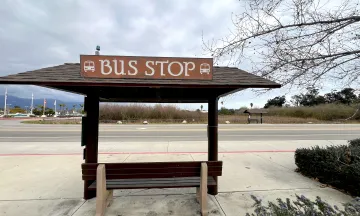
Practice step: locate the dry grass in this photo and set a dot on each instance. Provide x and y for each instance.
(136, 114)
(242, 119)
(158, 113)
(325, 112)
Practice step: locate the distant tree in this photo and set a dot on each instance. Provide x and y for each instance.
(296, 99)
(310, 98)
(251, 105)
(201, 107)
(332, 97)
(62, 107)
(224, 111)
(37, 111)
(277, 101)
(17, 109)
(49, 111)
(17, 106)
(345, 96)
(40, 108)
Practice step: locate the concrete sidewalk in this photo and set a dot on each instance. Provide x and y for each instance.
(51, 184)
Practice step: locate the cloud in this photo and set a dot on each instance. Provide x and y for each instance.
(36, 34)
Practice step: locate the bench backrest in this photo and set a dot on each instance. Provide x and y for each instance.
(151, 170)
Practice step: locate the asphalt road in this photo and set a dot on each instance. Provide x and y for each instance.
(16, 132)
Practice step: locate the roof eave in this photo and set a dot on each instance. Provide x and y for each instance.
(97, 84)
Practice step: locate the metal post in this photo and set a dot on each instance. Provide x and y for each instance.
(90, 137)
(261, 118)
(5, 102)
(32, 104)
(213, 137)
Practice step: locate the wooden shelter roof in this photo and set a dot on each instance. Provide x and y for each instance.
(256, 111)
(67, 77)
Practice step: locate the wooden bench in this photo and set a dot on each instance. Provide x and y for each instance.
(110, 176)
(253, 120)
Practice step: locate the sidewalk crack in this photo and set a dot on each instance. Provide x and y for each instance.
(126, 158)
(78, 208)
(220, 205)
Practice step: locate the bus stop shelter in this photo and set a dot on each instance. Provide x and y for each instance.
(141, 79)
(255, 111)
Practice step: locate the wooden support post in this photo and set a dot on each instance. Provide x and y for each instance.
(213, 137)
(104, 197)
(101, 190)
(90, 137)
(203, 189)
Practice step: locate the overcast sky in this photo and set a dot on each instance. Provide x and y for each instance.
(41, 33)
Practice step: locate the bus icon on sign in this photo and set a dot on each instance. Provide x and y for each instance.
(205, 68)
(89, 66)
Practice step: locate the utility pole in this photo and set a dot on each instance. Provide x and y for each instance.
(32, 103)
(5, 101)
(44, 107)
(55, 108)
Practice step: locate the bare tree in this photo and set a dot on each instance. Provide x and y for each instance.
(295, 42)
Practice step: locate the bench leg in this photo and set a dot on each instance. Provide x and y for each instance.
(88, 194)
(101, 192)
(198, 194)
(110, 198)
(203, 189)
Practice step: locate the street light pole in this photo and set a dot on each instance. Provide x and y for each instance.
(5, 101)
(32, 103)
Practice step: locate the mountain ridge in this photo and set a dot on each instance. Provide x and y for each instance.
(23, 102)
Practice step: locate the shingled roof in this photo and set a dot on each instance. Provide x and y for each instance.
(69, 73)
(67, 77)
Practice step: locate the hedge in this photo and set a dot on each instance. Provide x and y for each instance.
(338, 166)
(303, 206)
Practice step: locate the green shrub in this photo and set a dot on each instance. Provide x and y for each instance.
(304, 206)
(338, 166)
(354, 142)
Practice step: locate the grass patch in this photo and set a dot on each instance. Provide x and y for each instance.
(324, 112)
(160, 114)
(233, 119)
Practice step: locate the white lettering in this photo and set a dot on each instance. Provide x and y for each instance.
(181, 68)
(151, 68)
(133, 67)
(107, 64)
(116, 67)
(187, 67)
(162, 66)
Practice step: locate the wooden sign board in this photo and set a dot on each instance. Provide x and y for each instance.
(100, 66)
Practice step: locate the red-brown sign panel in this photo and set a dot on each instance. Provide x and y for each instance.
(100, 66)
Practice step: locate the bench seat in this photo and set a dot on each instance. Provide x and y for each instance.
(184, 182)
(106, 177)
